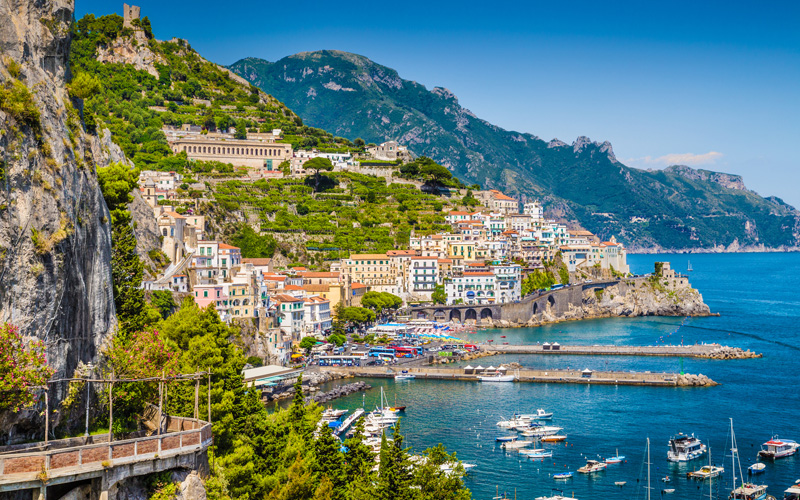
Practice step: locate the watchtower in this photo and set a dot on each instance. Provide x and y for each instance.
(129, 13)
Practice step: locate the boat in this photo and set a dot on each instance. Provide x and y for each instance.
(666, 479)
(615, 459)
(793, 492)
(404, 375)
(545, 430)
(778, 448)
(329, 414)
(689, 267)
(450, 468)
(515, 445)
(620, 483)
(505, 439)
(496, 377)
(539, 415)
(555, 438)
(683, 448)
(563, 475)
(745, 491)
(557, 497)
(398, 408)
(756, 468)
(669, 490)
(709, 471)
(537, 453)
(593, 466)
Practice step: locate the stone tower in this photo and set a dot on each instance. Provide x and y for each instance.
(129, 13)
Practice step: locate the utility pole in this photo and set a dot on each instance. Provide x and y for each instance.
(89, 367)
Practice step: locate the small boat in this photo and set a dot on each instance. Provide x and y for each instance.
(563, 475)
(515, 445)
(556, 497)
(706, 472)
(666, 479)
(505, 439)
(683, 448)
(398, 408)
(536, 453)
(793, 493)
(615, 459)
(539, 415)
(689, 267)
(545, 430)
(502, 336)
(778, 448)
(620, 483)
(555, 438)
(669, 490)
(745, 491)
(592, 466)
(756, 468)
(496, 377)
(331, 414)
(404, 375)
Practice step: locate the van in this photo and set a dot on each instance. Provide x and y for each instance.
(471, 347)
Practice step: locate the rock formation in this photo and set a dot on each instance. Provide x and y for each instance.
(55, 233)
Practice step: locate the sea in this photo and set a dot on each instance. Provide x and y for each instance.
(757, 299)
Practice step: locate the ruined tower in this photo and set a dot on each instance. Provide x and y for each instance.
(129, 13)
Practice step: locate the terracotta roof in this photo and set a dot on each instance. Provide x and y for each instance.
(318, 274)
(510, 231)
(300, 268)
(272, 277)
(422, 257)
(476, 264)
(282, 297)
(260, 261)
(225, 246)
(500, 196)
(292, 287)
(445, 261)
(174, 215)
(357, 285)
(610, 244)
(317, 288)
(318, 300)
(478, 273)
(392, 253)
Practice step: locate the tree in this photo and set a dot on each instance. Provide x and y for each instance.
(439, 296)
(241, 129)
(394, 476)
(357, 315)
(116, 183)
(84, 85)
(22, 369)
(338, 339)
(359, 143)
(307, 343)
(252, 244)
(318, 164)
(329, 464)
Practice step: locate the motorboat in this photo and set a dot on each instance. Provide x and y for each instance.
(556, 497)
(539, 415)
(404, 375)
(778, 448)
(666, 479)
(709, 471)
(706, 472)
(330, 414)
(683, 448)
(756, 468)
(593, 466)
(537, 453)
(495, 377)
(515, 445)
(620, 483)
(749, 491)
(542, 431)
(506, 439)
(793, 493)
(616, 459)
(669, 490)
(450, 468)
(555, 438)
(563, 475)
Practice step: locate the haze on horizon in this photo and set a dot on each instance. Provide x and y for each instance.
(712, 85)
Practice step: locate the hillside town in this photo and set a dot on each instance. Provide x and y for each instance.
(483, 258)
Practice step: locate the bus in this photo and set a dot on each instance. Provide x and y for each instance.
(407, 351)
(381, 352)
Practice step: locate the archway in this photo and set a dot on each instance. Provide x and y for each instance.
(470, 315)
(535, 308)
(552, 301)
(455, 315)
(421, 315)
(439, 315)
(486, 313)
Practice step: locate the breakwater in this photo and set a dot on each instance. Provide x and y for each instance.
(337, 392)
(707, 351)
(541, 376)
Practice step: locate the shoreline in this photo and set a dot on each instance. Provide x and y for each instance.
(713, 250)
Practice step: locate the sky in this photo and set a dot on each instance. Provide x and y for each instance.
(713, 85)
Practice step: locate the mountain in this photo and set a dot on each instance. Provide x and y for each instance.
(675, 208)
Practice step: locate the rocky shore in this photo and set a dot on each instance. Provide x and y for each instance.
(337, 392)
(725, 352)
(699, 380)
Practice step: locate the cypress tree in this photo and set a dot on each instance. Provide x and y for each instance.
(329, 464)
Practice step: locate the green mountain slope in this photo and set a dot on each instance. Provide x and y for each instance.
(677, 208)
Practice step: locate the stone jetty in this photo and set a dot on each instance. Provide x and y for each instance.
(709, 351)
(725, 352)
(337, 392)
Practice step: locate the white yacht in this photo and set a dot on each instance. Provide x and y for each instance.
(683, 448)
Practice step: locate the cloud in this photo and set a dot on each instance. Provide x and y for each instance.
(690, 159)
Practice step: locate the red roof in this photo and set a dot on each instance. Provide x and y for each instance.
(358, 285)
(292, 287)
(225, 246)
(282, 297)
(477, 273)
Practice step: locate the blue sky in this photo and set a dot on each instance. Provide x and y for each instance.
(713, 85)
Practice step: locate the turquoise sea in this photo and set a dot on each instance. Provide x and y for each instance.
(760, 310)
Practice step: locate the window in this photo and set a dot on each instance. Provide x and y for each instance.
(205, 293)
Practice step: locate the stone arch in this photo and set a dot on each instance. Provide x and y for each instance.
(236, 303)
(535, 307)
(455, 315)
(421, 315)
(470, 314)
(439, 315)
(486, 313)
(552, 301)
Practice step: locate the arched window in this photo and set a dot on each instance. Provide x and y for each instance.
(237, 151)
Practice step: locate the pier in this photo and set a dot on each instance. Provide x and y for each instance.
(657, 379)
(708, 351)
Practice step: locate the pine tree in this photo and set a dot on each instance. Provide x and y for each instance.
(297, 412)
(360, 458)
(329, 464)
(394, 474)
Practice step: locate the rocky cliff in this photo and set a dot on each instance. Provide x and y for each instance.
(55, 265)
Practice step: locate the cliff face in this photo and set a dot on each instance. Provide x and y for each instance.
(55, 266)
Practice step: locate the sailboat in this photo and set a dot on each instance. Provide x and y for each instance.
(689, 267)
(707, 471)
(746, 491)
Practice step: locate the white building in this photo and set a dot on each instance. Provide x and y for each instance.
(473, 287)
(316, 315)
(509, 282)
(422, 277)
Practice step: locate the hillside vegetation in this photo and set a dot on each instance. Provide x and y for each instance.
(676, 208)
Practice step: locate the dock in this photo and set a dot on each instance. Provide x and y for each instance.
(349, 421)
(708, 351)
(655, 379)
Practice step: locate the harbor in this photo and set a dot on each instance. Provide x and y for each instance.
(650, 379)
